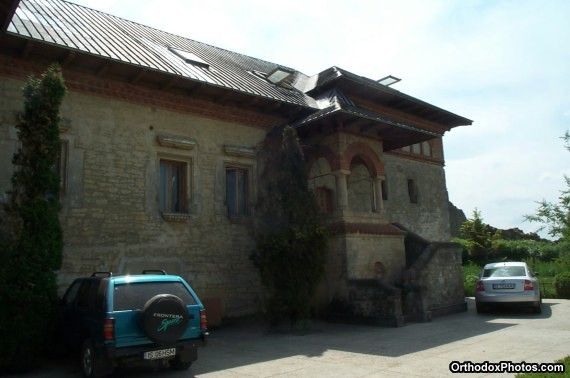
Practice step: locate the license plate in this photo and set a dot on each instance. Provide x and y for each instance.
(503, 286)
(157, 354)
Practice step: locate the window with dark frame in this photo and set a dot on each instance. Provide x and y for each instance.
(412, 191)
(173, 193)
(237, 192)
(384, 188)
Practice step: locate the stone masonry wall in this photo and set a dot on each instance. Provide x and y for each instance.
(429, 217)
(110, 213)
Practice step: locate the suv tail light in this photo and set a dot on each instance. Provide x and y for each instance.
(109, 329)
(480, 286)
(528, 285)
(203, 320)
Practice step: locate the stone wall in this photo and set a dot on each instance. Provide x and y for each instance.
(429, 217)
(440, 278)
(111, 216)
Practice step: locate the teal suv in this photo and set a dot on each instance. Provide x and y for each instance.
(122, 320)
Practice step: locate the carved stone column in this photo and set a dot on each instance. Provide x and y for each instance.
(379, 205)
(341, 188)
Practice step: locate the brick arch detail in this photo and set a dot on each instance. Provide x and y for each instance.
(323, 152)
(367, 154)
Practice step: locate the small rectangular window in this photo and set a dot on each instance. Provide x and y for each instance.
(412, 191)
(237, 200)
(173, 186)
(325, 200)
(384, 187)
(426, 149)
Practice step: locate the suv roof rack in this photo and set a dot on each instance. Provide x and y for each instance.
(154, 271)
(104, 274)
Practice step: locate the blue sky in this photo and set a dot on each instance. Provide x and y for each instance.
(503, 64)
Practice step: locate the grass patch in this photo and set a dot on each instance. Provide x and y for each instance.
(565, 361)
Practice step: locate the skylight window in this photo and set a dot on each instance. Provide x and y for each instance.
(189, 57)
(389, 80)
(279, 75)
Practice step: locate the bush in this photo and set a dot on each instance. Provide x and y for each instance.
(471, 274)
(31, 237)
(562, 284)
(291, 241)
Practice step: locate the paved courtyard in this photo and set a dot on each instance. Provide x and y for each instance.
(247, 349)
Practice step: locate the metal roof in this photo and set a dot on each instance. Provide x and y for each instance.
(93, 32)
(339, 78)
(331, 93)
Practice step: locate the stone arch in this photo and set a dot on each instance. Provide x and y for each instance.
(379, 270)
(367, 154)
(322, 152)
(360, 186)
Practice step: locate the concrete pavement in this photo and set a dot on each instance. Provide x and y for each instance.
(247, 349)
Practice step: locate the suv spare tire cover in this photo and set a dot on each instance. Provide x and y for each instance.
(164, 318)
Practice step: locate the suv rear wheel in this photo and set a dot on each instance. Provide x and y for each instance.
(88, 359)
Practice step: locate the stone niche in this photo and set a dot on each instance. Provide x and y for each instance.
(375, 257)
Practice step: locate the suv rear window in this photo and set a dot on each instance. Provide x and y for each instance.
(133, 296)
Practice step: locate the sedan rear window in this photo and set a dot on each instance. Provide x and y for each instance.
(134, 296)
(505, 271)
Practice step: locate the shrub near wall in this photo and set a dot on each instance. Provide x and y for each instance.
(32, 243)
(562, 284)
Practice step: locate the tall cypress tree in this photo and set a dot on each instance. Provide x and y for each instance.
(32, 241)
(292, 240)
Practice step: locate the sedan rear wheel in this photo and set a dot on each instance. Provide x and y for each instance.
(480, 308)
(538, 308)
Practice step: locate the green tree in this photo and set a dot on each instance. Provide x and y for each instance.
(31, 236)
(292, 240)
(555, 217)
(478, 238)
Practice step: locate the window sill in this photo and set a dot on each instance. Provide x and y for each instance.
(240, 219)
(176, 217)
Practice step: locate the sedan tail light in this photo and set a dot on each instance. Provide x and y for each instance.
(528, 285)
(203, 320)
(480, 286)
(109, 329)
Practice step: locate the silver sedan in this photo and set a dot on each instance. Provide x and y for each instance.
(510, 283)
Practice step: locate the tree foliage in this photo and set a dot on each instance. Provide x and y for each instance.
(555, 217)
(32, 241)
(477, 237)
(291, 243)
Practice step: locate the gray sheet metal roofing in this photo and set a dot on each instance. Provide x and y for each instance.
(89, 31)
(78, 28)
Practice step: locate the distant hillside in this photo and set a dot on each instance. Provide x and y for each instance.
(457, 218)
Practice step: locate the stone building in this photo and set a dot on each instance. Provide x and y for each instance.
(159, 163)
